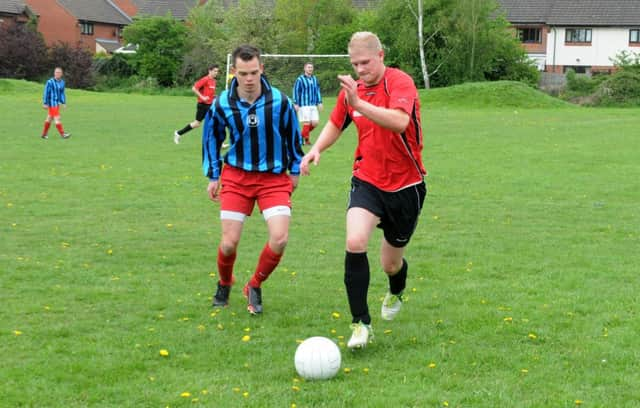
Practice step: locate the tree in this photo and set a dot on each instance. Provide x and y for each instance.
(161, 44)
(23, 53)
(77, 64)
(206, 40)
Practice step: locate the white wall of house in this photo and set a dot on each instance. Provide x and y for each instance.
(605, 43)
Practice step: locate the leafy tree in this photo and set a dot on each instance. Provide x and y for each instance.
(77, 64)
(161, 44)
(23, 53)
(206, 40)
(463, 40)
(251, 23)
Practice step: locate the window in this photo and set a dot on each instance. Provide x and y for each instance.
(86, 28)
(578, 35)
(530, 35)
(634, 35)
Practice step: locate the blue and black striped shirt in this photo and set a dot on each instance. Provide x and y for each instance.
(306, 91)
(54, 93)
(264, 135)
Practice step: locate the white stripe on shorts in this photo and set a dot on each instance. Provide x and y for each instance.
(232, 215)
(277, 210)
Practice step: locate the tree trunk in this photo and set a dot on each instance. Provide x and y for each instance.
(423, 62)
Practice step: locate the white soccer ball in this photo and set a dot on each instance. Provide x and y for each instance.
(317, 358)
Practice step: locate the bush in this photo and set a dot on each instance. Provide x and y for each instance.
(118, 65)
(583, 84)
(76, 62)
(621, 89)
(23, 53)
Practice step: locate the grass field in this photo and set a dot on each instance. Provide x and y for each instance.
(523, 280)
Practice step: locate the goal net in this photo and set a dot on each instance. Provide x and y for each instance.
(283, 69)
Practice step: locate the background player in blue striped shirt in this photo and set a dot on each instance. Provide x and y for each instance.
(265, 146)
(51, 100)
(307, 100)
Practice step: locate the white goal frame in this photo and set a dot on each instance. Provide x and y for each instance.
(282, 56)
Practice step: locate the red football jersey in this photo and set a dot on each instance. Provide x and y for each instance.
(388, 160)
(207, 87)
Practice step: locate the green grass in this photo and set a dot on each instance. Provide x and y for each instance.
(523, 271)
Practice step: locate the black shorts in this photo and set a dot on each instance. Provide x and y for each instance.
(398, 211)
(201, 111)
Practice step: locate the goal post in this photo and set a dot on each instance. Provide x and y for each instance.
(283, 69)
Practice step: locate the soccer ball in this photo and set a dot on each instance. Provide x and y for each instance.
(317, 358)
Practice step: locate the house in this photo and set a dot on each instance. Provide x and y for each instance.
(179, 9)
(15, 11)
(580, 35)
(94, 24)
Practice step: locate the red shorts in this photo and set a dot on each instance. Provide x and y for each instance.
(54, 111)
(241, 189)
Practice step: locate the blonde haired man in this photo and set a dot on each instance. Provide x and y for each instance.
(387, 188)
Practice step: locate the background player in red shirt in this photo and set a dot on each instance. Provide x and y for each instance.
(205, 88)
(387, 188)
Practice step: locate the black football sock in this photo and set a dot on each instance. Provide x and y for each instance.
(398, 282)
(184, 130)
(356, 280)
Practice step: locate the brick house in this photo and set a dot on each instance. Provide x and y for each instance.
(94, 24)
(15, 11)
(580, 35)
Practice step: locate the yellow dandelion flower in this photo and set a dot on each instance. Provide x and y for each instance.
(388, 331)
(508, 319)
(414, 290)
(109, 251)
(295, 388)
(296, 380)
(578, 402)
(293, 405)
(347, 370)
(247, 329)
(524, 371)
(322, 251)
(152, 378)
(195, 400)
(246, 365)
(445, 403)
(164, 352)
(204, 392)
(169, 225)
(483, 301)
(294, 273)
(185, 394)
(532, 336)
(9, 205)
(340, 337)
(332, 331)
(47, 308)
(341, 344)
(236, 389)
(435, 217)
(246, 338)
(299, 341)
(66, 245)
(365, 370)
(245, 394)
(185, 319)
(335, 315)
(201, 327)
(432, 365)
(17, 332)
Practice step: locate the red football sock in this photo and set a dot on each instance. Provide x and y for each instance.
(59, 127)
(47, 125)
(266, 264)
(225, 267)
(305, 132)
